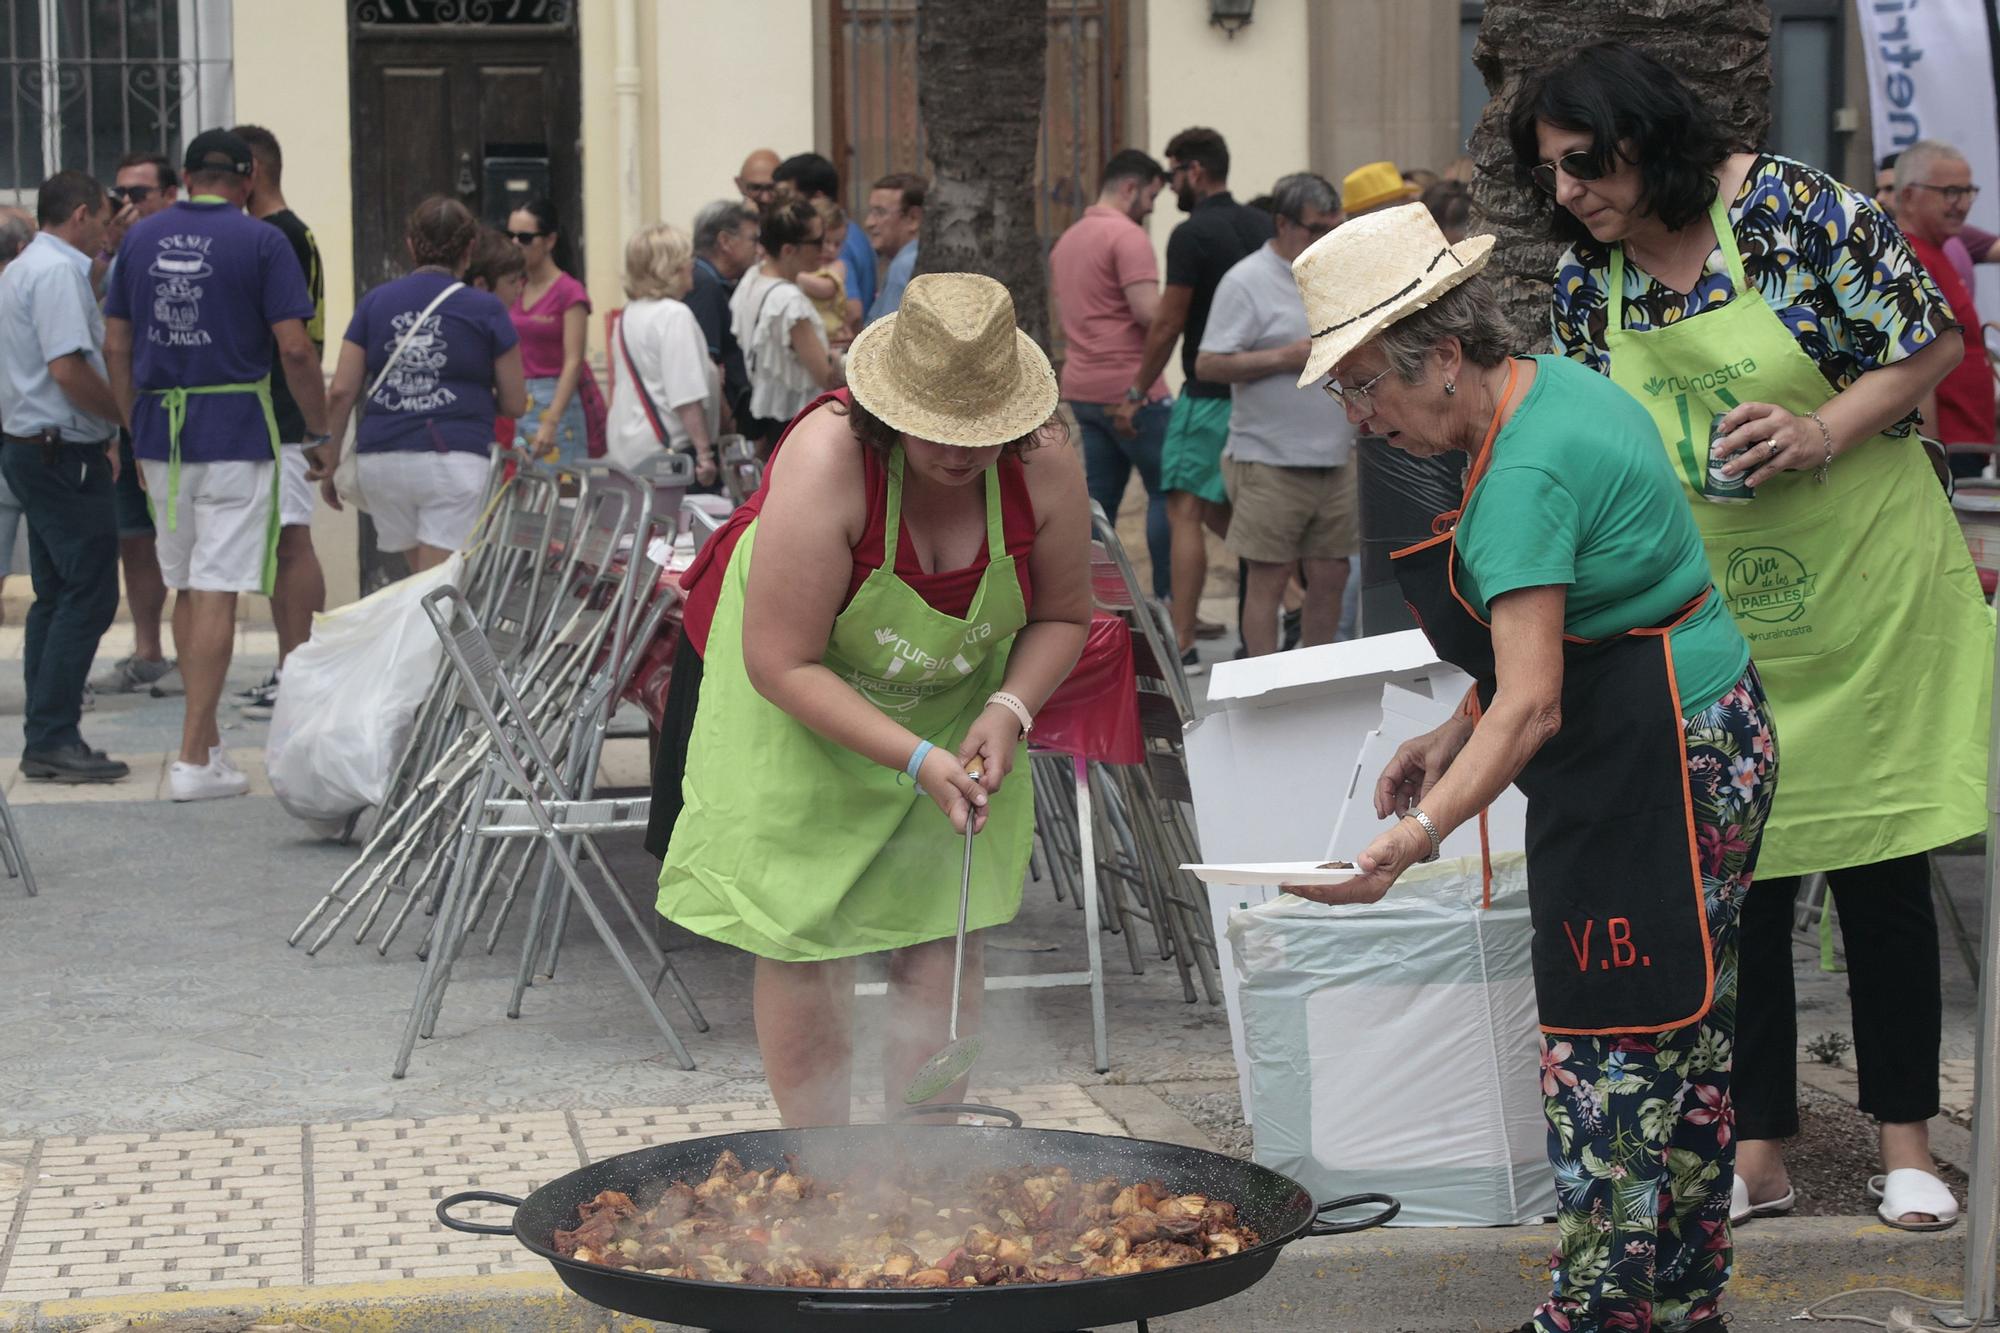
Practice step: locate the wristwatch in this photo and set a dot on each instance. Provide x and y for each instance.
(1135, 396)
(312, 441)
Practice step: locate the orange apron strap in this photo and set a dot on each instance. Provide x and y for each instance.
(1469, 707)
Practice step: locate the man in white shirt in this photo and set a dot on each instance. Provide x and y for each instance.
(1288, 460)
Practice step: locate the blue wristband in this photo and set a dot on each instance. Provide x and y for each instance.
(917, 759)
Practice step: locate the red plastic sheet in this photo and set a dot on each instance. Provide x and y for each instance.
(1095, 712)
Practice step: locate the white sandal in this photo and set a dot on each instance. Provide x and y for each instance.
(1910, 1189)
(1741, 1210)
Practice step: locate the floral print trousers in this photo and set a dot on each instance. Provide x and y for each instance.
(1640, 1126)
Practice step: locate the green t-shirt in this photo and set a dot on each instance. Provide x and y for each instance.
(1579, 492)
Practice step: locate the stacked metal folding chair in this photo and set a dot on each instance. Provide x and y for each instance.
(1129, 828)
(539, 806)
(553, 580)
(11, 854)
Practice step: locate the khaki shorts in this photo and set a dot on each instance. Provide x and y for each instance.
(1281, 514)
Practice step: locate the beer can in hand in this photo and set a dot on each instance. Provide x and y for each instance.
(1717, 487)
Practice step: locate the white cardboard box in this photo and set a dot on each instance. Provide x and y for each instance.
(1275, 764)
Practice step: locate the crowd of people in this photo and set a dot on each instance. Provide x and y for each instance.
(1745, 353)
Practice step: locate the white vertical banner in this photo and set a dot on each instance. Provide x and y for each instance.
(1931, 76)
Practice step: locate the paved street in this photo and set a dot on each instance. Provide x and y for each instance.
(195, 1108)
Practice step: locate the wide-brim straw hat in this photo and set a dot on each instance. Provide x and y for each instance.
(950, 367)
(1370, 271)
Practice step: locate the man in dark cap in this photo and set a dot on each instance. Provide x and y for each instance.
(202, 295)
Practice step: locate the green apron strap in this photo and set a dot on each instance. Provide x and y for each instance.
(892, 511)
(175, 401)
(996, 526)
(1725, 236)
(1614, 299)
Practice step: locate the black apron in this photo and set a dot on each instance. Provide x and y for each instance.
(1614, 879)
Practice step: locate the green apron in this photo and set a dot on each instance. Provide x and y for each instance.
(799, 849)
(175, 401)
(1858, 596)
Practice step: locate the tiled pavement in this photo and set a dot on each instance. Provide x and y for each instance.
(127, 1214)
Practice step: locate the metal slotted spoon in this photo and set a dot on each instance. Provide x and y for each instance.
(958, 1054)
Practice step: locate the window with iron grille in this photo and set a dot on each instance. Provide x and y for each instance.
(463, 13)
(88, 81)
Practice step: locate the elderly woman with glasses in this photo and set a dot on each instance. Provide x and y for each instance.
(1781, 335)
(1613, 688)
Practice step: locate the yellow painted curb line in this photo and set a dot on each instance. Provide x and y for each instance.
(536, 1301)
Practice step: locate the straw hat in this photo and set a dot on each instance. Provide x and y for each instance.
(1369, 272)
(950, 367)
(1372, 186)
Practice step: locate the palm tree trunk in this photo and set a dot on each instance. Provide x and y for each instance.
(1721, 47)
(980, 76)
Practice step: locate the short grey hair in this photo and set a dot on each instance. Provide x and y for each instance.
(1914, 163)
(17, 228)
(1294, 194)
(1468, 312)
(721, 216)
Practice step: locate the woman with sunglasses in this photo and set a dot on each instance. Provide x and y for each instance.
(1781, 335)
(565, 417)
(1615, 691)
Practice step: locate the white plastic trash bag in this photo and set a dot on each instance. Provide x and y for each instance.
(1394, 1046)
(348, 697)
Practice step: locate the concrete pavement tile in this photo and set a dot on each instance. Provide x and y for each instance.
(376, 1185)
(142, 1213)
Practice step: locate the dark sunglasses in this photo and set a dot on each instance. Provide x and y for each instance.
(132, 194)
(526, 237)
(1581, 165)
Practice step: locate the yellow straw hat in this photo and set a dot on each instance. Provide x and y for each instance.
(1372, 186)
(950, 367)
(1370, 271)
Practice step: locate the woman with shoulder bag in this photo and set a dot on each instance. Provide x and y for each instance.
(439, 360)
(668, 394)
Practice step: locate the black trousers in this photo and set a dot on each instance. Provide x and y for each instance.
(66, 495)
(1893, 982)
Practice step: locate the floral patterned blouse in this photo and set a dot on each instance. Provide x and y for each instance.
(1832, 265)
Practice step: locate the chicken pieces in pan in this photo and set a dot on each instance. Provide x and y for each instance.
(781, 1227)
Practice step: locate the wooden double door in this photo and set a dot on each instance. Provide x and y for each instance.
(487, 115)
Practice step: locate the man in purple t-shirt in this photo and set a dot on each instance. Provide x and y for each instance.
(202, 295)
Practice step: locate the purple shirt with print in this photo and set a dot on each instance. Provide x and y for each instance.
(202, 284)
(440, 395)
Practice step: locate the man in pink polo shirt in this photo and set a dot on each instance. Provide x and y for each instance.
(1106, 284)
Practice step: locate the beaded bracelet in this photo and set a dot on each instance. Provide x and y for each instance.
(1819, 473)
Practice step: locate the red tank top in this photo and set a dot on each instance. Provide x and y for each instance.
(950, 591)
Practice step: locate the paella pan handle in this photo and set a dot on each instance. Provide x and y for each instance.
(1321, 1227)
(1012, 1118)
(812, 1306)
(450, 1202)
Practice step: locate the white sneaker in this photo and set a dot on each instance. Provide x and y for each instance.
(204, 782)
(219, 758)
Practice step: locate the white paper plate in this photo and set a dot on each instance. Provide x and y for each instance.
(1272, 872)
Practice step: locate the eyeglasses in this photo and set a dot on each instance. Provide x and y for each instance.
(1361, 397)
(1953, 194)
(1581, 165)
(758, 188)
(132, 194)
(526, 237)
(806, 242)
(1314, 230)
